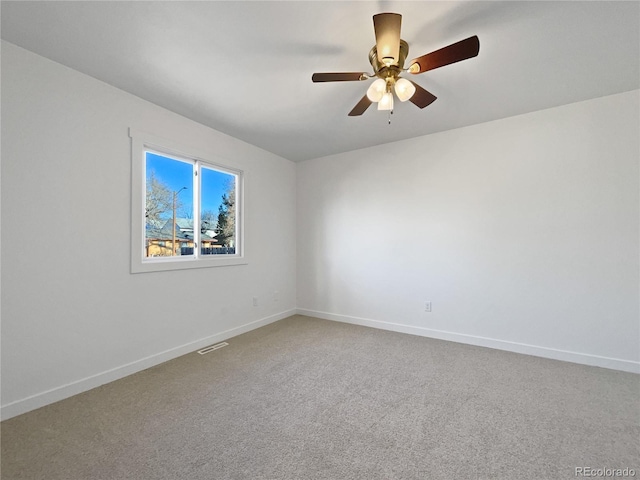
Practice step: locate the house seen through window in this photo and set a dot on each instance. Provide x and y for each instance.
(190, 208)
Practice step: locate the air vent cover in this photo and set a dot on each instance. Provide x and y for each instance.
(211, 348)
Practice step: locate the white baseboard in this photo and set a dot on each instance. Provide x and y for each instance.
(60, 393)
(65, 391)
(545, 352)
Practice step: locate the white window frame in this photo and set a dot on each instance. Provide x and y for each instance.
(141, 143)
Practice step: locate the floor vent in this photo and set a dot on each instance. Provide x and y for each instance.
(211, 348)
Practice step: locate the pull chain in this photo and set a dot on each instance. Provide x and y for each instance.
(390, 113)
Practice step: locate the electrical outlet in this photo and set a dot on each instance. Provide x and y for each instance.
(276, 296)
(255, 301)
(427, 307)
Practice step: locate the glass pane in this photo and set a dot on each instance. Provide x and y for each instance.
(169, 207)
(218, 212)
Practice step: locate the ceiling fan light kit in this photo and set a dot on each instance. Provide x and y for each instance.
(387, 57)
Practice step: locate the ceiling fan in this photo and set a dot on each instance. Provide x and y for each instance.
(387, 58)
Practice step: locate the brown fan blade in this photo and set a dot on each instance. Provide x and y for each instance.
(422, 98)
(455, 52)
(387, 29)
(339, 77)
(361, 107)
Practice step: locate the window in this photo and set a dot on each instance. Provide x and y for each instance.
(186, 209)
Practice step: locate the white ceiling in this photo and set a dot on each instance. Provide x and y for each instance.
(244, 68)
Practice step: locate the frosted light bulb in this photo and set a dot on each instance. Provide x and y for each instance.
(404, 89)
(386, 102)
(376, 90)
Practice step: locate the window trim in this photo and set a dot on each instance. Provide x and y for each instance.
(142, 142)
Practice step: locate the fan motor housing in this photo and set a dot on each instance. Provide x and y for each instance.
(383, 71)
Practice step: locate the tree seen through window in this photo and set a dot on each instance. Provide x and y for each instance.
(190, 208)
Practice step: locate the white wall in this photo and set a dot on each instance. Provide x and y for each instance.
(73, 316)
(523, 232)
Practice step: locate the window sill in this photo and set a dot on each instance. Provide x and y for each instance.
(158, 265)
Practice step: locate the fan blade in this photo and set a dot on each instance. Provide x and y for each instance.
(339, 77)
(360, 108)
(455, 52)
(387, 28)
(422, 98)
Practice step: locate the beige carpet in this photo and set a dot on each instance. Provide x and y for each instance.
(311, 399)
